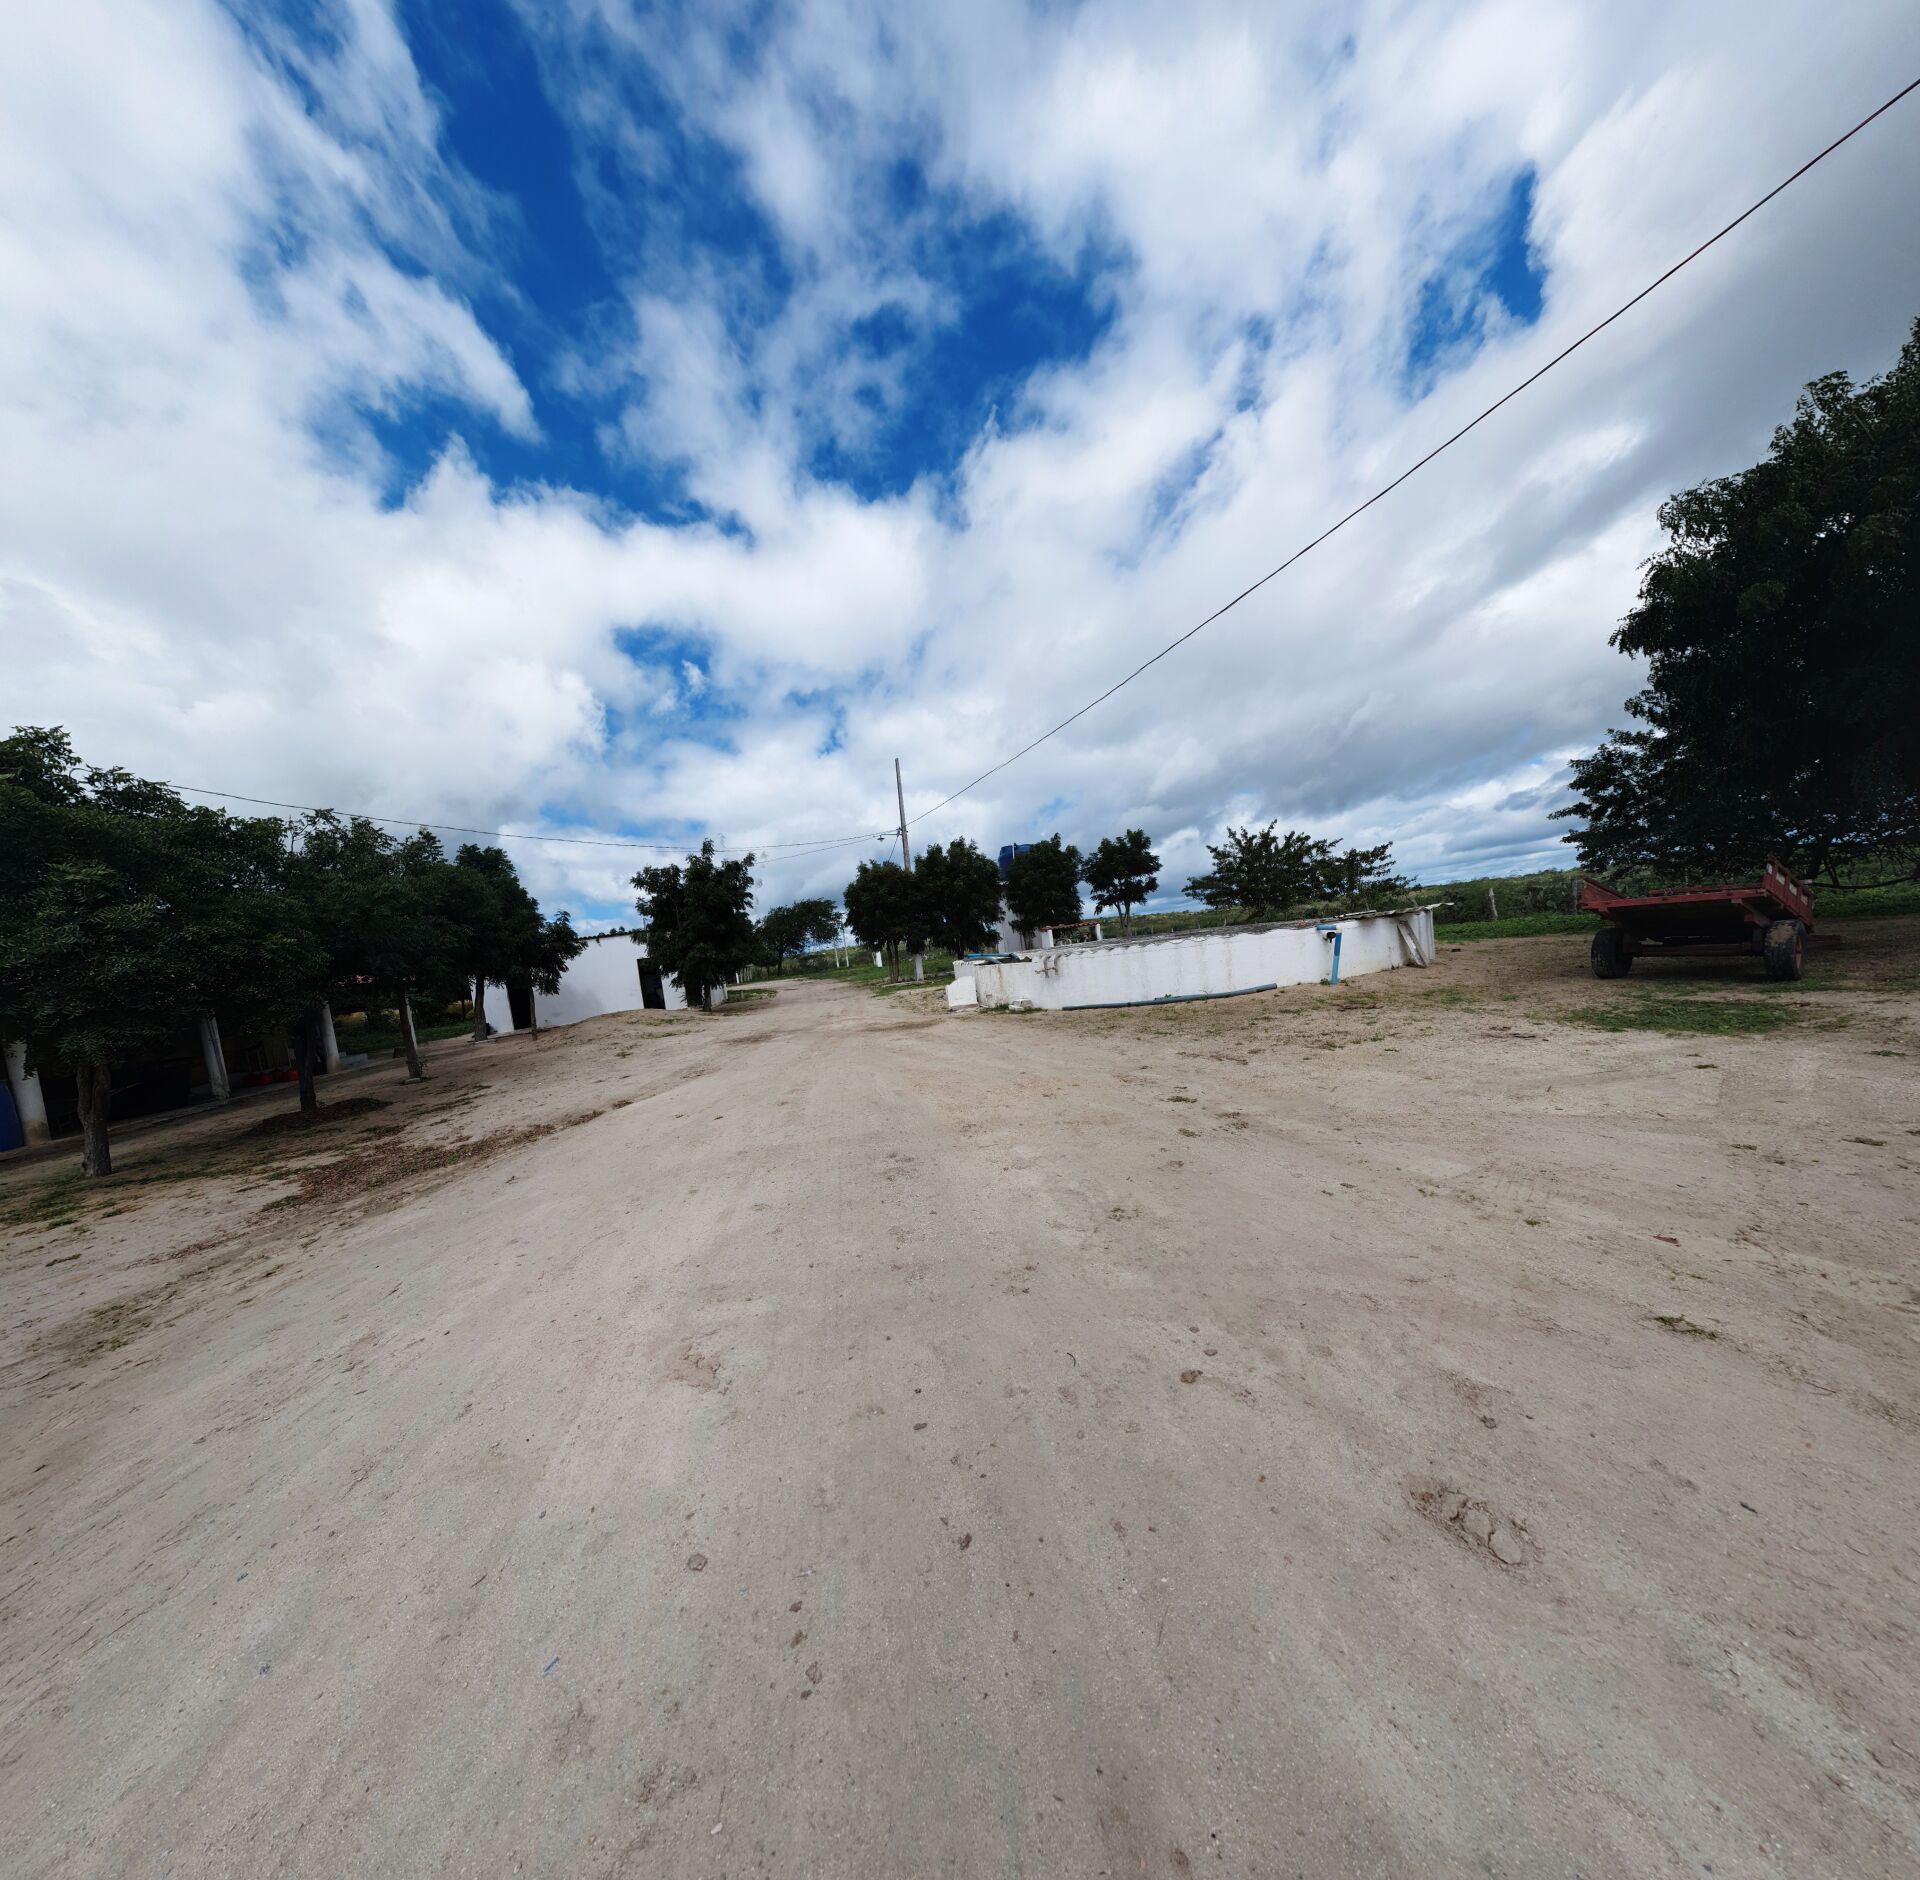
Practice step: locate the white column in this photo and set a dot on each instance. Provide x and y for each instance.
(29, 1101)
(214, 1053)
(919, 966)
(329, 1044)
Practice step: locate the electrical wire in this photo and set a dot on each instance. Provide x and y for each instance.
(801, 847)
(1413, 469)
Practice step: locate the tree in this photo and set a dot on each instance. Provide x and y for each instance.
(1781, 631)
(375, 905)
(549, 948)
(1262, 874)
(1043, 886)
(501, 936)
(883, 909)
(124, 913)
(699, 919)
(1122, 871)
(1364, 877)
(795, 927)
(957, 894)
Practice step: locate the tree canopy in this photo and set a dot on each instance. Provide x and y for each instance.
(699, 920)
(504, 938)
(379, 908)
(1781, 632)
(1043, 886)
(1122, 872)
(883, 909)
(125, 912)
(1265, 875)
(796, 927)
(957, 893)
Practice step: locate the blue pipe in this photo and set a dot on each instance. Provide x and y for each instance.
(1169, 998)
(1333, 977)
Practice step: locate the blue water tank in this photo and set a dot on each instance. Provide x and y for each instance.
(1008, 850)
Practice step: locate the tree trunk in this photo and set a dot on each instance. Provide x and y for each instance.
(479, 1009)
(306, 1043)
(416, 1071)
(95, 1083)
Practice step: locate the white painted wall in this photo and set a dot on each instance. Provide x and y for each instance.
(603, 977)
(1184, 965)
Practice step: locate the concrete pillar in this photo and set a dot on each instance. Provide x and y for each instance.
(29, 1101)
(329, 1044)
(919, 966)
(215, 1056)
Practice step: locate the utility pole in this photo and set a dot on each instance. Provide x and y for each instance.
(906, 854)
(900, 796)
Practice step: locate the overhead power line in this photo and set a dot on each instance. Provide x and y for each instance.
(801, 847)
(810, 845)
(1414, 468)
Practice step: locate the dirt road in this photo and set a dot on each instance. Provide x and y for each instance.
(1393, 1432)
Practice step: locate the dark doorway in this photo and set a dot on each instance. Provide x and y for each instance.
(520, 1006)
(653, 990)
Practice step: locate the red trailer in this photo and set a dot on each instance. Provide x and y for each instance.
(1771, 917)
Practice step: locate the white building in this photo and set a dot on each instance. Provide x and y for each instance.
(611, 973)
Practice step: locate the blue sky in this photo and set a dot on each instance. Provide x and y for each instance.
(626, 420)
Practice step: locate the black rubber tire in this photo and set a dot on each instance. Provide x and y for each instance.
(1784, 949)
(1610, 957)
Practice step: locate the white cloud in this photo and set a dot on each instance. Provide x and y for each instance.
(202, 589)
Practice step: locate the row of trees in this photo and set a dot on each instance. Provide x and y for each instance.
(951, 899)
(127, 913)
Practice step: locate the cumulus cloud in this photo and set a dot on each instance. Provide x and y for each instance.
(285, 507)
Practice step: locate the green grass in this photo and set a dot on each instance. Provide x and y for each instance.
(1855, 903)
(864, 973)
(1513, 927)
(387, 1039)
(1670, 1009)
(62, 1199)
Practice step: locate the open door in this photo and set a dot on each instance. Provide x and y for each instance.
(520, 1005)
(653, 990)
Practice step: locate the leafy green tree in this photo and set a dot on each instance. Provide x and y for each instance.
(1263, 874)
(957, 893)
(795, 927)
(883, 909)
(1122, 872)
(1043, 886)
(699, 920)
(374, 903)
(125, 912)
(1781, 633)
(1365, 877)
(502, 937)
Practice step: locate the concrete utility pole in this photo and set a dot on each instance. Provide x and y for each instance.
(906, 854)
(900, 796)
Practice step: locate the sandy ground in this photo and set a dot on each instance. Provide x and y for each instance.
(1389, 1430)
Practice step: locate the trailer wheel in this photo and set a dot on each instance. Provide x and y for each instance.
(1611, 960)
(1783, 949)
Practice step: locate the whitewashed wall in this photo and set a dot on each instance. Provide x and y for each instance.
(603, 977)
(1188, 965)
